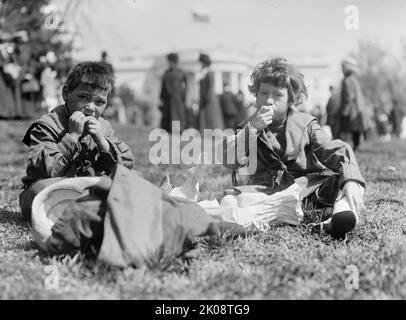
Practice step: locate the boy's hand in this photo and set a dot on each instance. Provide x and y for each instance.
(263, 117)
(77, 123)
(94, 128)
(355, 195)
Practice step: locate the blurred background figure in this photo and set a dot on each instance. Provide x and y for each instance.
(50, 86)
(395, 117)
(119, 108)
(173, 94)
(318, 113)
(321, 117)
(106, 62)
(403, 129)
(31, 95)
(132, 105)
(210, 115)
(24, 69)
(332, 111)
(192, 115)
(352, 107)
(383, 126)
(229, 108)
(241, 107)
(302, 105)
(7, 77)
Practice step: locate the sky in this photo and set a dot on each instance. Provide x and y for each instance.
(291, 27)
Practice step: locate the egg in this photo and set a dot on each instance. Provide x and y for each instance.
(229, 201)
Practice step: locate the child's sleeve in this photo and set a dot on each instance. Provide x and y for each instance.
(119, 152)
(48, 155)
(236, 148)
(336, 155)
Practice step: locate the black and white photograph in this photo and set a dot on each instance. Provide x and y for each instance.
(219, 152)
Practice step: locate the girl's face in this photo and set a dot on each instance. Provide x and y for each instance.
(269, 95)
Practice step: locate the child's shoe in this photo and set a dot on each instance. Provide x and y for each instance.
(338, 225)
(341, 223)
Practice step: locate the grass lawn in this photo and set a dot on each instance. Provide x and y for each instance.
(285, 263)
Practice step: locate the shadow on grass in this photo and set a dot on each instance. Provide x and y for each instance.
(13, 218)
(388, 200)
(398, 180)
(16, 226)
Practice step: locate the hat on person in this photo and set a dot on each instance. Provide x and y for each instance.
(50, 203)
(173, 57)
(204, 58)
(350, 61)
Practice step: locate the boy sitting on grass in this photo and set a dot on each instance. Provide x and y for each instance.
(73, 139)
(292, 147)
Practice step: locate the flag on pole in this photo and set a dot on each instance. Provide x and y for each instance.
(200, 17)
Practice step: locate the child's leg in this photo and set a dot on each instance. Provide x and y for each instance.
(326, 194)
(343, 219)
(27, 196)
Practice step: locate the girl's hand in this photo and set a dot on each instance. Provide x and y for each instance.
(354, 193)
(262, 118)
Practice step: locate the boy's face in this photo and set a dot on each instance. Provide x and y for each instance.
(87, 99)
(270, 95)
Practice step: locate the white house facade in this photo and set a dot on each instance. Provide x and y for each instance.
(229, 66)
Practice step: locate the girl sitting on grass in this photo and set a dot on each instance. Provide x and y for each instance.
(292, 147)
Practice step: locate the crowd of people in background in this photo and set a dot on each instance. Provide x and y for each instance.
(224, 111)
(29, 84)
(347, 115)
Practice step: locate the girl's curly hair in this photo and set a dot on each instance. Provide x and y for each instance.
(278, 72)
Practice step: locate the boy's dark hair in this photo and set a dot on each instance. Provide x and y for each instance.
(278, 72)
(92, 73)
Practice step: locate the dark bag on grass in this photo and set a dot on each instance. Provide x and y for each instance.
(127, 221)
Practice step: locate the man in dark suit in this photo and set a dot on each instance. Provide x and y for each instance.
(173, 94)
(110, 69)
(332, 110)
(229, 107)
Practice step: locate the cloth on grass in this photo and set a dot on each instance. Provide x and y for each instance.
(127, 221)
(253, 209)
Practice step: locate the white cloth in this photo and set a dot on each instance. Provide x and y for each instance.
(250, 208)
(257, 210)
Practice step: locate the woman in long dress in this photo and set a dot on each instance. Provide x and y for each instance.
(210, 115)
(353, 113)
